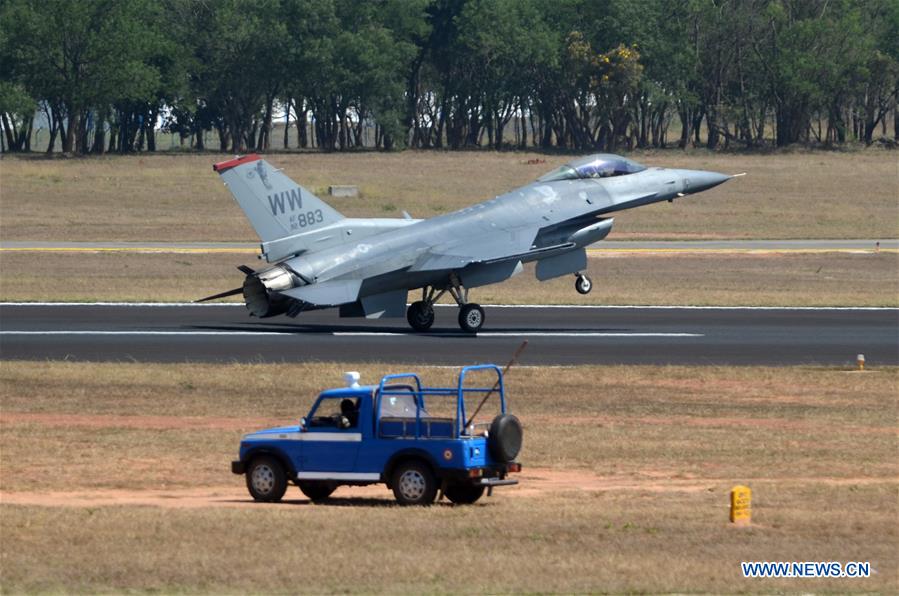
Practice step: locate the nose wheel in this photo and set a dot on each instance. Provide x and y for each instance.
(583, 284)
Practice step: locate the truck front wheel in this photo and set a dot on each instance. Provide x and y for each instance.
(463, 494)
(266, 479)
(414, 484)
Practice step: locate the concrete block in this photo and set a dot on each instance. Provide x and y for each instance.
(343, 191)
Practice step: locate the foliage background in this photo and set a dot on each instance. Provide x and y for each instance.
(108, 75)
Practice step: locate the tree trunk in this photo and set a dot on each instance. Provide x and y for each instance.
(150, 127)
(68, 139)
(99, 145)
(686, 130)
(301, 125)
(287, 124)
(8, 132)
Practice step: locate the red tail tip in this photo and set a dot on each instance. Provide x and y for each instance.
(231, 163)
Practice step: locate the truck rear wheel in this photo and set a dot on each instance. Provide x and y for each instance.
(414, 484)
(317, 491)
(266, 479)
(463, 494)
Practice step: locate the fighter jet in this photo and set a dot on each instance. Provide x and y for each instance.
(365, 267)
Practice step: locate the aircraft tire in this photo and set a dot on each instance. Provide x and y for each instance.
(463, 494)
(266, 479)
(583, 284)
(419, 316)
(471, 318)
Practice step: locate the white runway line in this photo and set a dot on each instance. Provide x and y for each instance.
(520, 334)
(354, 333)
(486, 306)
(90, 332)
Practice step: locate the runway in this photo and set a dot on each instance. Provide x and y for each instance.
(614, 246)
(558, 335)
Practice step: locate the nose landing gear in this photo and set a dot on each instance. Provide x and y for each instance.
(583, 284)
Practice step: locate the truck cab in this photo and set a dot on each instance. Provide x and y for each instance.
(420, 441)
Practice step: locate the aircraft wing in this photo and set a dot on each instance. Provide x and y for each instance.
(494, 247)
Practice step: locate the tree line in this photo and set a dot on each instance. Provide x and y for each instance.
(108, 75)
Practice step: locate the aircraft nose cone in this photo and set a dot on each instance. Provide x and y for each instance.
(700, 180)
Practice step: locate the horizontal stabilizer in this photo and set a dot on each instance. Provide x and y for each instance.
(327, 293)
(233, 292)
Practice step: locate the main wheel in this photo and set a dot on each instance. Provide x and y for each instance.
(317, 491)
(583, 285)
(420, 316)
(464, 494)
(471, 318)
(266, 479)
(414, 484)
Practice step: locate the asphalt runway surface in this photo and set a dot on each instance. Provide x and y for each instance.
(858, 245)
(557, 335)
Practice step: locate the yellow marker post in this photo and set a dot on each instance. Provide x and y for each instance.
(741, 505)
(860, 361)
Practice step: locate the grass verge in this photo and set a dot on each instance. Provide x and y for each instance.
(176, 197)
(817, 279)
(649, 454)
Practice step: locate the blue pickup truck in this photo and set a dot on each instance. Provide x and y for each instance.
(419, 441)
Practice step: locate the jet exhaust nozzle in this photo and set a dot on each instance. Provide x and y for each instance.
(260, 291)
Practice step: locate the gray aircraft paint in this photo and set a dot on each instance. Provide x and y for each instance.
(322, 259)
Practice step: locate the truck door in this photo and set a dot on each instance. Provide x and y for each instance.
(333, 436)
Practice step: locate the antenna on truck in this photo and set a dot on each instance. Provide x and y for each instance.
(515, 356)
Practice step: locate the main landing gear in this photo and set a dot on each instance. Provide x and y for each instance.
(583, 284)
(420, 314)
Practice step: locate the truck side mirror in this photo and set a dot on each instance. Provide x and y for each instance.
(303, 423)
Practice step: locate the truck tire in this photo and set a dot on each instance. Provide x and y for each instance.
(504, 438)
(414, 484)
(463, 494)
(317, 491)
(266, 479)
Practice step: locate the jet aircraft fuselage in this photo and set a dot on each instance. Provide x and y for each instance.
(367, 266)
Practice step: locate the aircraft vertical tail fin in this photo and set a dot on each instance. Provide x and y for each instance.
(276, 206)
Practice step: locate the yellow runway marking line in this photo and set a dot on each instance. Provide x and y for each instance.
(131, 249)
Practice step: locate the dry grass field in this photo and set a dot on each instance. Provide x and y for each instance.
(831, 279)
(115, 478)
(177, 197)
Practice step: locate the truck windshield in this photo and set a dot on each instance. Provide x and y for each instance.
(330, 410)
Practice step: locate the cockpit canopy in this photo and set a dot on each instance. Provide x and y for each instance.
(601, 165)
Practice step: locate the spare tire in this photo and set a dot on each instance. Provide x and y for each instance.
(504, 439)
